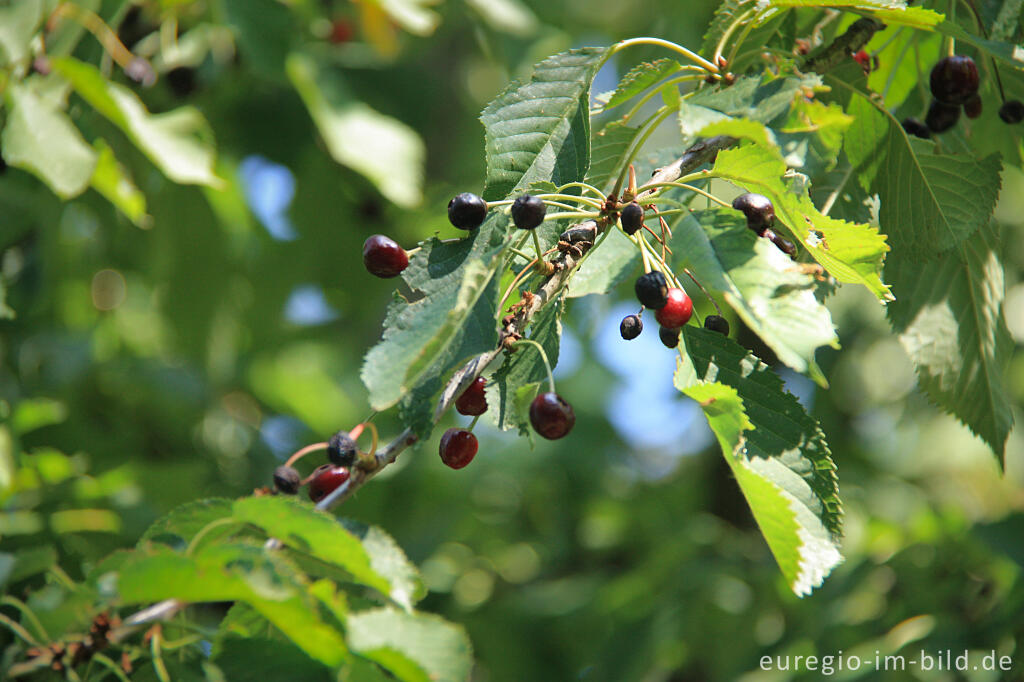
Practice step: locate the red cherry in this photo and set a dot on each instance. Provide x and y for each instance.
(473, 401)
(383, 257)
(863, 58)
(551, 416)
(326, 479)
(341, 31)
(458, 448)
(677, 311)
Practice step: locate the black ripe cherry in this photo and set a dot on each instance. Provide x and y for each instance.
(630, 327)
(528, 212)
(287, 480)
(326, 479)
(973, 107)
(1012, 111)
(916, 127)
(383, 257)
(669, 337)
(941, 117)
(473, 401)
(631, 217)
(677, 311)
(551, 416)
(652, 290)
(954, 79)
(758, 210)
(458, 448)
(342, 450)
(467, 210)
(717, 323)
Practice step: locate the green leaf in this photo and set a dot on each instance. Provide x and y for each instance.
(1006, 21)
(726, 12)
(608, 153)
(235, 572)
(776, 451)
(641, 77)
(111, 180)
(181, 524)
(949, 316)
(317, 533)
(384, 150)
(929, 202)
(264, 29)
(888, 11)
(770, 293)
(540, 129)
(177, 142)
(18, 23)
(388, 560)
(1003, 51)
(901, 61)
(413, 647)
(250, 657)
(427, 336)
(525, 368)
(761, 98)
(812, 136)
(41, 139)
(851, 252)
(605, 266)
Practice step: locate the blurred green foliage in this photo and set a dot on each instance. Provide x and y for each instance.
(149, 366)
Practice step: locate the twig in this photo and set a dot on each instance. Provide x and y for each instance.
(855, 37)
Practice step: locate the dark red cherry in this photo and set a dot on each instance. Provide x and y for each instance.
(631, 217)
(915, 127)
(551, 416)
(467, 210)
(717, 323)
(758, 209)
(528, 212)
(669, 337)
(473, 401)
(458, 448)
(677, 311)
(383, 257)
(941, 117)
(973, 107)
(326, 480)
(954, 79)
(1012, 111)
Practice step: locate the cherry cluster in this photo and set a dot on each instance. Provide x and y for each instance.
(954, 82)
(342, 455)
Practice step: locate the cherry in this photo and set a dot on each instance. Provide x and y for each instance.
(630, 327)
(973, 106)
(954, 79)
(941, 117)
(632, 218)
(863, 58)
(287, 480)
(458, 448)
(915, 127)
(383, 257)
(341, 31)
(1012, 111)
(326, 479)
(467, 210)
(669, 337)
(551, 416)
(342, 450)
(786, 246)
(473, 401)
(677, 311)
(652, 290)
(758, 209)
(717, 323)
(528, 212)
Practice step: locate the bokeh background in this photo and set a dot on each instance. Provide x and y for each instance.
(149, 367)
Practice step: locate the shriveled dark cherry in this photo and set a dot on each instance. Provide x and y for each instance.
(326, 479)
(941, 117)
(342, 450)
(784, 245)
(758, 210)
(473, 401)
(458, 448)
(631, 217)
(383, 257)
(669, 337)
(717, 323)
(916, 127)
(652, 290)
(677, 311)
(973, 107)
(528, 212)
(954, 79)
(1012, 111)
(551, 416)
(287, 480)
(467, 210)
(630, 327)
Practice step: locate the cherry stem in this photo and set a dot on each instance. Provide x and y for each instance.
(544, 357)
(355, 433)
(542, 265)
(473, 423)
(525, 256)
(984, 34)
(305, 451)
(728, 34)
(689, 54)
(701, 286)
